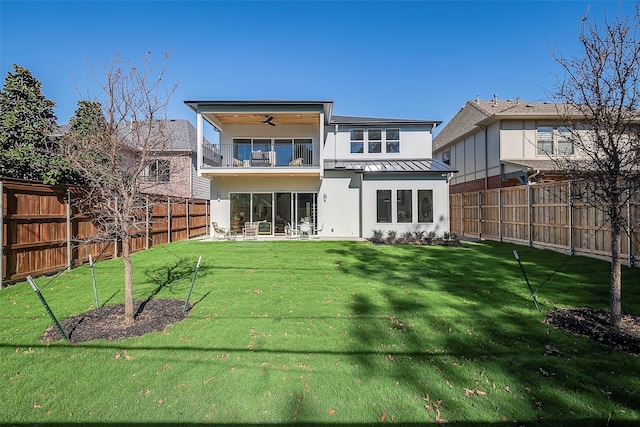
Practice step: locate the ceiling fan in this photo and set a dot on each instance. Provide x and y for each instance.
(268, 121)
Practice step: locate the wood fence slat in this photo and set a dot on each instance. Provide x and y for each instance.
(40, 233)
(543, 215)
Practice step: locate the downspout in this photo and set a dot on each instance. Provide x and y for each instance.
(335, 142)
(533, 176)
(486, 159)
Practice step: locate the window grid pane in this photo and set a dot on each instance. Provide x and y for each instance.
(393, 140)
(545, 140)
(357, 141)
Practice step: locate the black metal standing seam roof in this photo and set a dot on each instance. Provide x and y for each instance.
(372, 121)
(390, 166)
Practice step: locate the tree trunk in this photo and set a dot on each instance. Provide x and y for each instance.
(128, 283)
(616, 276)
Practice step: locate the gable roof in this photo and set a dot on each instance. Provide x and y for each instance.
(476, 114)
(182, 135)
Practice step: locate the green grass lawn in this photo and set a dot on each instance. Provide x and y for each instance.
(341, 333)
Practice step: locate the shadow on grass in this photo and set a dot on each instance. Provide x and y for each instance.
(488, 323)
(585, 422)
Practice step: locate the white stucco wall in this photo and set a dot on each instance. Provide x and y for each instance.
(415, 143)
(440, 189)
(340, 212)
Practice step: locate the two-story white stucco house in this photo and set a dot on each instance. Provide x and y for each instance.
(278, 162)
(500, 143)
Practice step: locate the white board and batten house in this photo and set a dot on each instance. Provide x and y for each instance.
(503, 143)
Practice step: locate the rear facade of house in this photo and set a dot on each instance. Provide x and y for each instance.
(281, 162)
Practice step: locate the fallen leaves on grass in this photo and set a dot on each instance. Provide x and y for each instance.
(475, 391)
(434, 407)
(124, 354)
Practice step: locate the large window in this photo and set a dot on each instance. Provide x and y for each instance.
(274, 211)
(383, 201)
(404, 206)
(375, 140)
(393, 140)
(158, 171)
(272, 152)
(545, 140)
(425, 205)
(240, 210)
(357, 141)
(565, 141)
(553, 140)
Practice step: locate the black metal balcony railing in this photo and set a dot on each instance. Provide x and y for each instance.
(251, 156)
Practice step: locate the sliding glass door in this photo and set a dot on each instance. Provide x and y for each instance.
(272, 210)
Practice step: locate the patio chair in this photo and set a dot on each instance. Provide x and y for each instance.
(219, 232)
(250, 231)
(318, 231)
(291, 232)
(305, 228)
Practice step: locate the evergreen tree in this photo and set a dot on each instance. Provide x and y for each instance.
(26, 121)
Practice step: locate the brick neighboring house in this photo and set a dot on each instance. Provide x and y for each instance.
(174, 170)
(502, 143)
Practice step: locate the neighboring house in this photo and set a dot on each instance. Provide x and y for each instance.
(173, 170)
(278, 162)
(498, 143)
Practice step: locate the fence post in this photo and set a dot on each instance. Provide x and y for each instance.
(529, 216)
(462, 214)
(168, 219)
(572, 250)
(500, 214)
(206, 217)
(187, 213)
(146, 242)
(1, 231)
(69, 255)
(479, 214)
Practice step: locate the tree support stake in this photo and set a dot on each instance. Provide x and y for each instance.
(46, 306)
(193, 281)
(533, 296)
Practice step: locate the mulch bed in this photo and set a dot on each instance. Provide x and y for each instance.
(106, 322)
(593, 323)
(156, 314)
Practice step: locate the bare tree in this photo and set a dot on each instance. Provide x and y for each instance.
(114, 142)
(599, 99)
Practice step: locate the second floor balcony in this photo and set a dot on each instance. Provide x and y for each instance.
(256, 153)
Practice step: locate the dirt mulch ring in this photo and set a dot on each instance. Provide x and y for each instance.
(106, 322)
(594, 324)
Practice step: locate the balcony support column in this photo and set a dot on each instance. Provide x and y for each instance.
(200, 141)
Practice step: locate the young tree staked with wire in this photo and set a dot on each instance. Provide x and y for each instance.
(111, 144)
(598, 97)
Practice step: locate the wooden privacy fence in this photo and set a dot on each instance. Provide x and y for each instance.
(40, 233)
(556, 215)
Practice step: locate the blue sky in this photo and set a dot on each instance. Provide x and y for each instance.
(415, 59)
